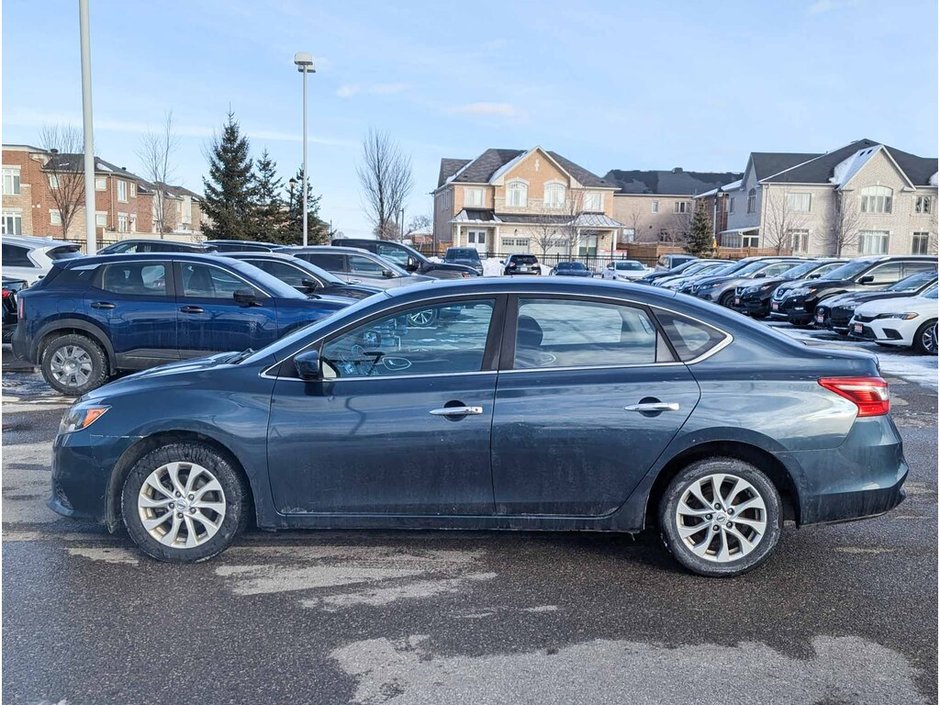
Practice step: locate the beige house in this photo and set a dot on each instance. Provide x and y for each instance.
(865, 198)
(508, 200)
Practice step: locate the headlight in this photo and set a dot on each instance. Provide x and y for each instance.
(704, 287)
(801, 291)
(80, 417)
(909, 316)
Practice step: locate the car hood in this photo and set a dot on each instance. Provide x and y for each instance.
(856, 298)
(919, 304)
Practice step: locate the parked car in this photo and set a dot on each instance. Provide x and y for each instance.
(341, 424)
(153, 244)
(307, 278)
(685, 286)
(720, 288)
(94, 317)
(242, 245)
(521, 264)
(356, 266)
(625, 270)
(570, 269)
(698, 268)
(410, 259)
(653, 276)
(30, 258)
(667, 262)
(10, 287)
(466, 256)
(754, 299)
(797, 302)
(835, 313)
(908, 322)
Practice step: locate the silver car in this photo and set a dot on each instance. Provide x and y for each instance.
(30, 258)
(356, 266)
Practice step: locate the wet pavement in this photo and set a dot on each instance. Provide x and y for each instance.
(840, 614)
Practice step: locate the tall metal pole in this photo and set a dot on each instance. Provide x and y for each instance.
(91, 246)
(304, 185)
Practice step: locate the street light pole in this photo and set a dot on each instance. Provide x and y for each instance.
(304, 62)
(91, 246)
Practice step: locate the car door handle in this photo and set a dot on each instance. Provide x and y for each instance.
(457, 411)
(102, 304)
(652, 406)
(192, 309)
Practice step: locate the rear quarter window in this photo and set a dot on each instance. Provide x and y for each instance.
(690, 338)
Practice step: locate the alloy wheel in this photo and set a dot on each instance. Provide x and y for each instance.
(929, 339)
(721, 517)
(181, 505)
(71, 366)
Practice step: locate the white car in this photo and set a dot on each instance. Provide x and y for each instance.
(625, 270)
(909, 322)
(31, 258)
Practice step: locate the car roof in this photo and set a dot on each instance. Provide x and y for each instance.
(243, 242)
(330, 249)
(158, 239)
(34, 242)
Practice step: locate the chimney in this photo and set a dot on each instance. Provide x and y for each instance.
(677, 170)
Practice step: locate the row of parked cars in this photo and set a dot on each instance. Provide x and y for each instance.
(889, 300)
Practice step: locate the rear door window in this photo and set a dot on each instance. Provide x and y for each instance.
(135, 278)
(329, 262)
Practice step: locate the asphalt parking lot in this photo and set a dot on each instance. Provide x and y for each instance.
(841, 614)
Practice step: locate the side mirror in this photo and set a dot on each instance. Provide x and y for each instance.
(245, 297)
(307, 364)
(814, 276)
(760, 275)
(867, 279)
(502, 261)
(411, 264)
(388, 273)
(310, 284)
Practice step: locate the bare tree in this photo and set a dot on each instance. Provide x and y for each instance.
(386, 180)
(155, 154)
(679, 227)
(781, 221)
(419, 223)
(635, 220)
(844, 223)
(65, 170)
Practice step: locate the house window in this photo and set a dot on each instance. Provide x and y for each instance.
(11, 182)
(55, 217)
(473, 197)
(629, 234)
(731, 204)
(53, 181)
(920, 243)
(554, 195)
(476, 237)
(798, 240)
(133, 190)
(752, 240)
(654, 207)
(123, 221)
(752, 200)
(517, 194)
(680, 207)
(799, 202)
(876, 199)
(101, 219)
(133, 223)
(122, 190)
(922, 204)
(594, 201)
(101, 183)
(12, 223)
(873, 242)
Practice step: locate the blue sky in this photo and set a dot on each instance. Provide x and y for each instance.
(621, 84)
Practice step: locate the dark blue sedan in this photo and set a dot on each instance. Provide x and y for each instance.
(93, 317)
(555, 405)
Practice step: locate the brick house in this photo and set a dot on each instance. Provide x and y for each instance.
(511, 200)
(656, 206)
(863, 198)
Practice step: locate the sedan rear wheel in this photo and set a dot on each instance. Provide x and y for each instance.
(925, 340)
(721, 517)
(184, 503)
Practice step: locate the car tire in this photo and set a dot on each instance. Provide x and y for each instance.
(718, 550)
(200, 517)
(726, 299)
(74, 364)
(925, 339)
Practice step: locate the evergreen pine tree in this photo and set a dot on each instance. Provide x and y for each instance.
(317, 230)
(230, 189)
(270, 216)
(700, 239)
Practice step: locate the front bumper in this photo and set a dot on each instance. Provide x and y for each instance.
(795, 309)
(754, 304)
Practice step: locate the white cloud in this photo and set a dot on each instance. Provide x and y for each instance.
(348, 90)
(505, 110)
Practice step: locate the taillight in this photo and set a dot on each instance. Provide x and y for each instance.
(869, 394)
(21, 309)
(7, 293)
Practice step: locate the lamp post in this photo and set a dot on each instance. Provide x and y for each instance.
(304, 62)
(91, 245)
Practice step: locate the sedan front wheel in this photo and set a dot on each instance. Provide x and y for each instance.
(721, 517)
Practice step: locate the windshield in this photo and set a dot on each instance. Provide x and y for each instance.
(462, 254)
(754, 267)
(630, 266)
(570, 265)
(800, 270)
(848, 270)
(931, 293)
(524, 259)
(913, 282)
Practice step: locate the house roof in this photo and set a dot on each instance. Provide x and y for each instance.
(475, 215)
(76, 162)
(766, 164)
(482, 169)
(841, 164)
(674, 182)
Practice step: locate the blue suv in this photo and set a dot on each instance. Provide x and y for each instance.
(93, 317)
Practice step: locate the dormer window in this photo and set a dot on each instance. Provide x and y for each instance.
(554, 195)
(517, 194)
